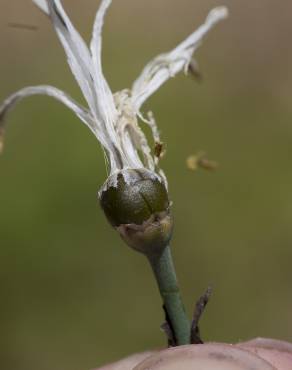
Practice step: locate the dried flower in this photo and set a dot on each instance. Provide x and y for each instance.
(134, 197)
(114, 118)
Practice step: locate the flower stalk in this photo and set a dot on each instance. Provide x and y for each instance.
(164, 271)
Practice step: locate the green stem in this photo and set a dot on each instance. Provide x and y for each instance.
(164, 272)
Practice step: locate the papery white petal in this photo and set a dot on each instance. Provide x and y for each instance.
(80, 61)
(77, 52)
(79, 57)
(105, 96)
(53, 92)
(43, 5)
(132, 139)
(165, 66)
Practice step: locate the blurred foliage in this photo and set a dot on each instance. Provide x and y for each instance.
(73, 296)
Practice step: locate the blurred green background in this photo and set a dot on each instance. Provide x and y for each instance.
(73, 296)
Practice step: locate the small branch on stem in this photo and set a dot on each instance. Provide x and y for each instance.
(199, 310)
(166, 327)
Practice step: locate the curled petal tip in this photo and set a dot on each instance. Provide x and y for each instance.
(220, 12)
(42, 4)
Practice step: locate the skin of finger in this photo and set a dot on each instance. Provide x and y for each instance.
(276, 352)
(127, 363)
(210, 356)
(268, 343)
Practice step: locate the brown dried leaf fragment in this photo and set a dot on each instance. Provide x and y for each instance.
(196, 161)
(1, 139)
(159, 149)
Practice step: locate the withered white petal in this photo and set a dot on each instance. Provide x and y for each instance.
(10, 102)
(113, 118)
(165, 66)
(81, 64)
(77, 52)
(104, 94)
(43, 5)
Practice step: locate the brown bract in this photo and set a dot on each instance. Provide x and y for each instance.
(256, 354)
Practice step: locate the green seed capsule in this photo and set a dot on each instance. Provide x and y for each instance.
(135, 202)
